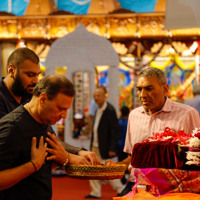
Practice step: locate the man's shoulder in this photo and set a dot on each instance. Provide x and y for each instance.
(110, 107)
(5, 96)
(14, 115)
(182, 108)
(179, 105)
(12, 122)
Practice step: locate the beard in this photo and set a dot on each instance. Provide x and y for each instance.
(18, 88)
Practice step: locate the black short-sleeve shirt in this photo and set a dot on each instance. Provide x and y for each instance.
(7, 101)
(16, 132)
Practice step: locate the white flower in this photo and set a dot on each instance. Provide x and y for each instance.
(192, 163)
(193, 156)
(194, 142)
(195, 131)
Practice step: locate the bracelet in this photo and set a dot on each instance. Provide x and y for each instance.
(65, 163)
(33, 165)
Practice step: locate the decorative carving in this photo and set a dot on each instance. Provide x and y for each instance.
(120, 48)
(95, 25)
(58, 27)
(8, 28)
(152, 26)
(122, 26)
(33, 28)
(112, 25)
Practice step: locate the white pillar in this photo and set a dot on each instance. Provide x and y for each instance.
(113, 93)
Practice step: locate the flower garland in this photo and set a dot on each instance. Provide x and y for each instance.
(175, 58)
(179, 137)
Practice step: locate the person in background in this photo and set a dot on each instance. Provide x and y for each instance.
(123, 121)
(78, 124)
(25, 170)
(195, 102)
(23, 69)
(93, 108)
(156, 113)
(105, 137)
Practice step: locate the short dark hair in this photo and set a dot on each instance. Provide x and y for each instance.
(102, 87)
(124, 111)
(152, 71)
(51, 85)
(18, 56)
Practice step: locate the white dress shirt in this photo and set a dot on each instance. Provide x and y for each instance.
(96, 124)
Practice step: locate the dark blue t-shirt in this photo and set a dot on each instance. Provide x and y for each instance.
(123, 127)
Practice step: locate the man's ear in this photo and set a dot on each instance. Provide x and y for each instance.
(166, 89)
(42, 98)
(11, 70)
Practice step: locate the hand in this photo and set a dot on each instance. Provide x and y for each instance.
(90, 156)
(39, 154)
(111, 154)
(57, 151)
(77, 160)
(110, 162)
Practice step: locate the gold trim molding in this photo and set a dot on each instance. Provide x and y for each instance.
(113, 25)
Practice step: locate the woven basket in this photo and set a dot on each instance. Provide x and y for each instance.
(95, 172)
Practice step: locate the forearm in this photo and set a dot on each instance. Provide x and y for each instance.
(69, 148)
(10, 177)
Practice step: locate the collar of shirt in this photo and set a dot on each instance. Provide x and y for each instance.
(166, 108)
(103, 107)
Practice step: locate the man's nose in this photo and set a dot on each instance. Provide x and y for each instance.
(35, 80)
(64, 114)
(143, 93)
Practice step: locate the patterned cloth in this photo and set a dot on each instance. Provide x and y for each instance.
(171, 196)
(162, 181)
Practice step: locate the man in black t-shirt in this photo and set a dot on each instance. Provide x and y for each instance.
(25, 167)
(23, 69)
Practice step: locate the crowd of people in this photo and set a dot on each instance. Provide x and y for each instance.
(30, 149)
